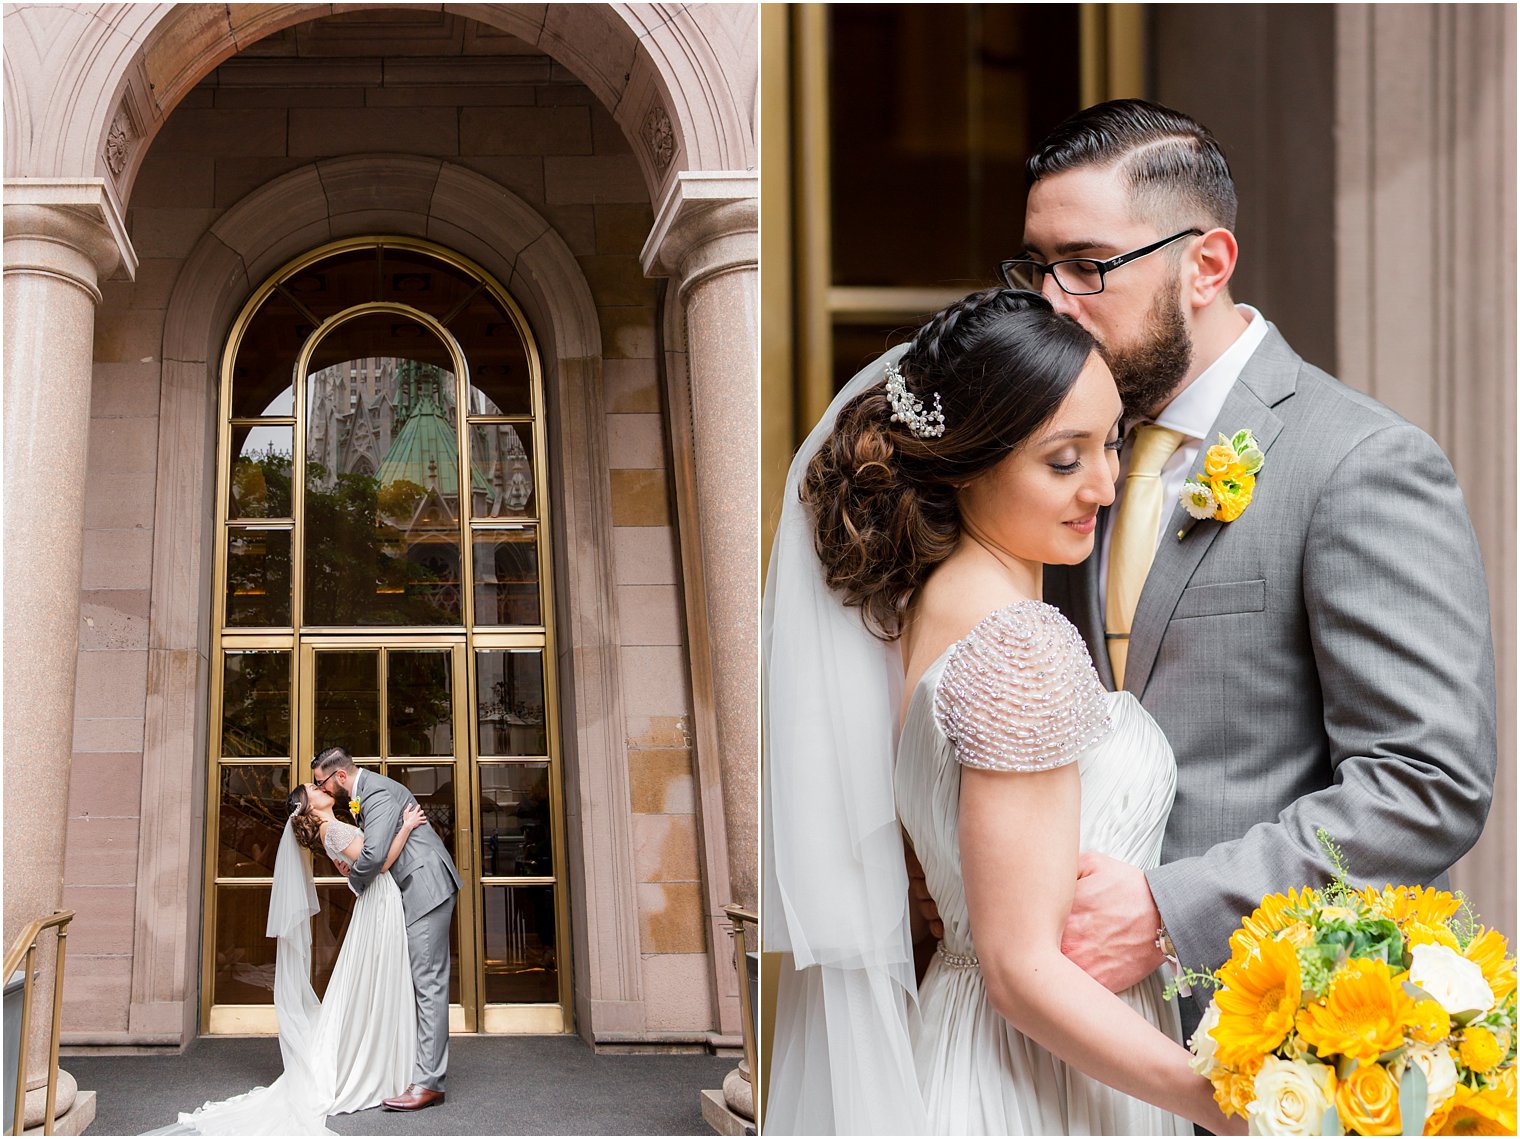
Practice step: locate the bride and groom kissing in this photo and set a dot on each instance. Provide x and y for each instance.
(380, 1034)
(1098, 678)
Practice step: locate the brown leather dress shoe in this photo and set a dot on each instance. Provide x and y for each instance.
(415, 1098)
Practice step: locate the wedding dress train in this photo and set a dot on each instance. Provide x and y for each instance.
(978, 1074)
(353, 1048)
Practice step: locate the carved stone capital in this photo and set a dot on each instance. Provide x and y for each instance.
(708, 223)
(66, 228)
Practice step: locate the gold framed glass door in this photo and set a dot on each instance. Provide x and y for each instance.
(383, 582)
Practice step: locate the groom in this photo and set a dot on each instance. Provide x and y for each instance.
(428, 882)
(1324, 660)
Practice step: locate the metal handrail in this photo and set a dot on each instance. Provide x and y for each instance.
(25, 948)
(740, 917)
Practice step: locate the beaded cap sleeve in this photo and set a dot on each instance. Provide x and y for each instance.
(1019, 693)
(337, 836)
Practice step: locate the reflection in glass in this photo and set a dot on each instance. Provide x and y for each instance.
(515, 822)
(256, 703)
(506, 576)
(258, 576)
(382, 478)
(330, 926)
(420, 703)
(260, 482)
(501, 458)
(264, 371)
(500, 378)
(252, 819)
(347, 708)
(520, 965)
(433, 785)
(244, 970)
(509, 696)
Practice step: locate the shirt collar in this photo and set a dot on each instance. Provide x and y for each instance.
(1195, 408)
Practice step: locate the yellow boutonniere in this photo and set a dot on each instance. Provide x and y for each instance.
(1224, 489)
(353, 807)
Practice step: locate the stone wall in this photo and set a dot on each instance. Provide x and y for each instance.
(512, 115)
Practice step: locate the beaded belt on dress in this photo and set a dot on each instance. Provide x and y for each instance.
(957, 960)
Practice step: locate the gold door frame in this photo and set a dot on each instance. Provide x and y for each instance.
(301, 642)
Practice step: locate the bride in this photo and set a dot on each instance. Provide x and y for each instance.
(355, 1047)
(903, 617)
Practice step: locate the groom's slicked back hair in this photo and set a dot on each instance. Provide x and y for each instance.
(333, 759)
(1173, 166)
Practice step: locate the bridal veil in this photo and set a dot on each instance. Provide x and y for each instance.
(836, 888)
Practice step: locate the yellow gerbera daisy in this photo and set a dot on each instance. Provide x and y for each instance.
(1419, 904)
(1477, 1113)
(1480, 1051)
(1430, 1022)
(1362, 1016)
(1257, 1003)
(1269, 917)
(1487, 951)
(1418, 933)
(1368, 1101)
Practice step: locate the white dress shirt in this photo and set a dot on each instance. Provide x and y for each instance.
(1192, 412)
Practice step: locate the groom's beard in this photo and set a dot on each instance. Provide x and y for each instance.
(1148, 371)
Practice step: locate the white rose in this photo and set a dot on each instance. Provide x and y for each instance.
(1292, 1097)
(1450, 978)
(1203, 1045)
(1440, 1072)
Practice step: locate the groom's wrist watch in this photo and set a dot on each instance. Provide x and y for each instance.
(1169, 951)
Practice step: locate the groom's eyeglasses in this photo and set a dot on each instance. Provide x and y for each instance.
(321, 784)
(1077, 276)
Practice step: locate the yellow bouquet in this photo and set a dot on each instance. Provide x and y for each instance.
(1362, 1012)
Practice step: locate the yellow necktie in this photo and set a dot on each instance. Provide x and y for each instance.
(1133, 547)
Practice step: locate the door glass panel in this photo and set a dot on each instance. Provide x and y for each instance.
(260, 483)
(509, 688)
(520, 963)
(243, 970)
(516, 827)
(258, 577)
(335, 903)
(252, 818)
(433, 785)
(256, 704)
(347, 711)
(501, 379)
(382, 478)
(263, 374)
(420, 703)
(506, 576)
(501, 457)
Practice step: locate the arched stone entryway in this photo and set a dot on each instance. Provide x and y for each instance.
(86, 94)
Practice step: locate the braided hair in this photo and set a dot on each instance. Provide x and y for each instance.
(883, 499)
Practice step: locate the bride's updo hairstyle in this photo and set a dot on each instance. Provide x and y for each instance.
(884, 499)
(307, 827)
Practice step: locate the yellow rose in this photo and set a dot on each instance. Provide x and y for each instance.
(1234, 496)
(1368, 1101)
(1222, 462)
(1233, 1090)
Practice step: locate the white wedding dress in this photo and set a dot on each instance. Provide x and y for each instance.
(347, 1052)
(1019, 693)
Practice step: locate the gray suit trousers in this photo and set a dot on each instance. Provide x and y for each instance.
(427, 940)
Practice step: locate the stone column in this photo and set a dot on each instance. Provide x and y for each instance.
(706, 238)
(61, 238)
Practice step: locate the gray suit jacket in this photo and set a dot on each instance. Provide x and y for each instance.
(1325, 660)
(423, 870)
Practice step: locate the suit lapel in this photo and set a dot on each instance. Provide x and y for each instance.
(1268, 378)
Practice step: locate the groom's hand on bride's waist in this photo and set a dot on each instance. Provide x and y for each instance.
(1111, 931)
(343, 867)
